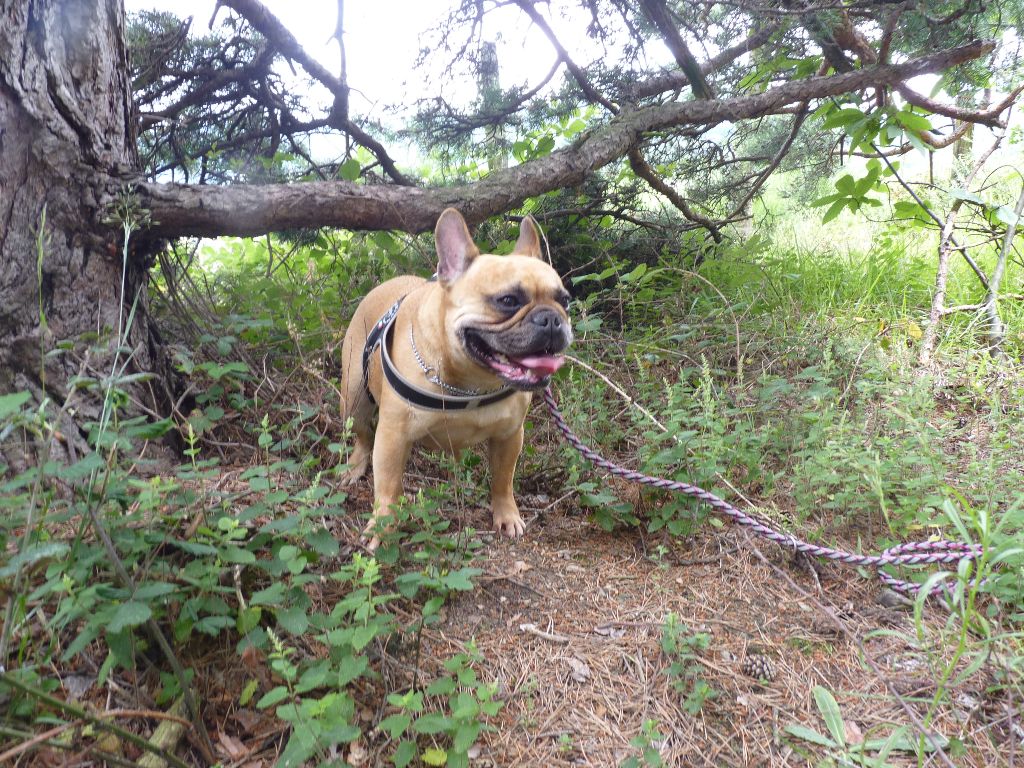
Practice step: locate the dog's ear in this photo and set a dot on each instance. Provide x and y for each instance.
(528, 243)
(455, 248)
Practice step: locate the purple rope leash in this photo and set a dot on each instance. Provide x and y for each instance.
(910, 553)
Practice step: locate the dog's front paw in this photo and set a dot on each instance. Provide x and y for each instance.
(351, 475)
(509, 522)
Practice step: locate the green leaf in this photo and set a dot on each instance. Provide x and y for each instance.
(248, 619)
(826, 200)
(434, 756)
(350, 169)
(465, 736)
(272, 595)
(958, 193)
(248, 692)
(395, 725)
(835, 210)
(151, 430)
(638, 271)
(460, 580)
(293, 620)
(431, 723)
(829, 709)
(913, 122)
(129, 614)
(843, 118)
(404, 754)
(238, 556)
(806, 734)
(272, 697)
(152, 589)
(33, 553)
(443, 686)
(12, 403)
(361, 636)
(1006, 215)
(217, 372)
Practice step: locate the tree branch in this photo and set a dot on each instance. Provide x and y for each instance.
(989, 117)
(264, 22)
(644, 170)
(670, 81)
(239, 209)
(662, 19)
(588, 90)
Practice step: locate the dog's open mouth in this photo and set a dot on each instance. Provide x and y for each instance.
(521, 372)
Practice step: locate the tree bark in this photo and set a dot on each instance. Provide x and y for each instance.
(244, 210)
(66, 137)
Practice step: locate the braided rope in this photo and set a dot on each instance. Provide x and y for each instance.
(910, 553)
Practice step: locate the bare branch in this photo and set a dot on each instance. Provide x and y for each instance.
(662, 19)
(794, 131)
(246, 209)
(644, 170)
(341, 98)
(670, 81)
(989, 117)
(263, 21)
(581, 78)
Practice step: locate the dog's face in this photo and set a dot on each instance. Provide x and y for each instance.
(505, 314)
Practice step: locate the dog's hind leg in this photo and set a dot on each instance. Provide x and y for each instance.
(362, 425)
(355, 401)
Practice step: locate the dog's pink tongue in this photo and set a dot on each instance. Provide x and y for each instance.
(544, 365)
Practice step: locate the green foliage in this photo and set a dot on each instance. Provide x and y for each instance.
(647, 743)
(833, 425)
(871, 752)
(683, 648)
(107, 547)
(461, 699)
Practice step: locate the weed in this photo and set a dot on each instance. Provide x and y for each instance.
(683, 648)
(648, 742)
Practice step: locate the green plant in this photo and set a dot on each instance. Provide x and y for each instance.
(648, 743)
(463, 701)
(868, 752)
(683, 648)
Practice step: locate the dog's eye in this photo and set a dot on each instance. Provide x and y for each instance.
(508, 301)
(563, 299)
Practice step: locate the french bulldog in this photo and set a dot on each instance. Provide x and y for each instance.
(451, 362)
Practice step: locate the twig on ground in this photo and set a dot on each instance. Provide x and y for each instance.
(549, 636)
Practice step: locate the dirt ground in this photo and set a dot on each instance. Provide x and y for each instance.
(577, 694)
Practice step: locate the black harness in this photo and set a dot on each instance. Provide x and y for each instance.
(380, 336)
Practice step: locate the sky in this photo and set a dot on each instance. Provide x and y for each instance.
(382, 43)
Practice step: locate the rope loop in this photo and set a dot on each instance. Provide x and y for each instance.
(909, 553)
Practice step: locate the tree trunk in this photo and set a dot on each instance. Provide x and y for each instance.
(66, 140)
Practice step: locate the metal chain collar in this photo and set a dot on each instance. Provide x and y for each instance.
(432, 374)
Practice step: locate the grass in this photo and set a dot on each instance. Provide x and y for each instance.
(781, 374)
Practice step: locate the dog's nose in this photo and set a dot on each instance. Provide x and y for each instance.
(546, 318)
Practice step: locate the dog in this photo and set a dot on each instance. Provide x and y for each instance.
(451, 362)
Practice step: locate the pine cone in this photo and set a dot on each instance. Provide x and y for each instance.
(758, 666)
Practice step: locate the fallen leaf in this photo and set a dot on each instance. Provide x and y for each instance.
(520, 566)
(610, 630)
(580, 671)
(357, 754)
(231, 747)
(853, 733)
(247, 719)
